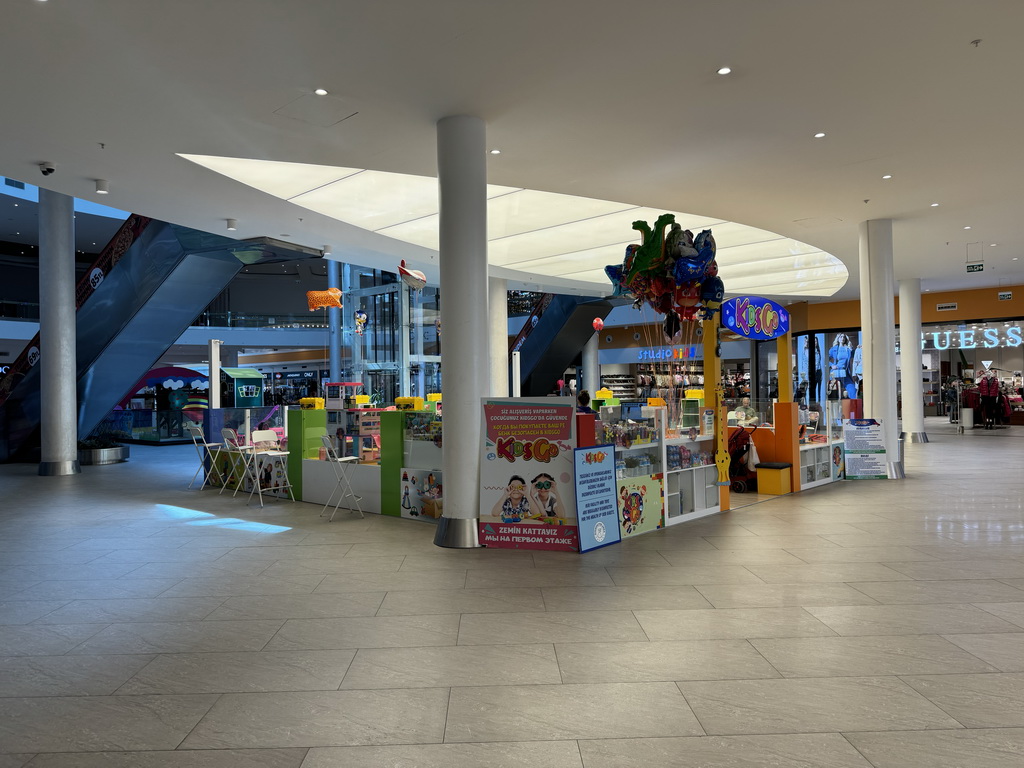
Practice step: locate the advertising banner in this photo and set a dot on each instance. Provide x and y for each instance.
(865, 450)
(526, 476)
(597, 510)
(640, 503)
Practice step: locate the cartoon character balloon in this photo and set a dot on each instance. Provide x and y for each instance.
(598, 324)
(329, 298)
(361, 318)
(675, 273)
(414, 278)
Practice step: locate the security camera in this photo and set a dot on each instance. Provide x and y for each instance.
(47, 168)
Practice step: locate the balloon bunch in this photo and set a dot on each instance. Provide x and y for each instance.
(676, 274)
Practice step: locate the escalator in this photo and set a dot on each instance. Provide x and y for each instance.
(147, 286)
(553, 338)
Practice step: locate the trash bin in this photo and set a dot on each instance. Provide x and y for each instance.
(967, 418)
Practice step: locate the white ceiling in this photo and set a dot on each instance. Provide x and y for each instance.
(607, 100)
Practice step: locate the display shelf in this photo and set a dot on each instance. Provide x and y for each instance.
(622, 385)
(685, 440)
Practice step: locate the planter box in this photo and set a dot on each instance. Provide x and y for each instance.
(103, 455)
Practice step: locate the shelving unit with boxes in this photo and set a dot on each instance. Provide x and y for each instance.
(691, 478)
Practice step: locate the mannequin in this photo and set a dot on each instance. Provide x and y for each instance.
(988, 389)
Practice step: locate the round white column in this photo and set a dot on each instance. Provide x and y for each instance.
(591, 365)
(462, 184)
(497, 305)
(910, 361)
(877, 324)
(58, 368)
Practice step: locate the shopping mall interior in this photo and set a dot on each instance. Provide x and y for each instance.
(206, 604)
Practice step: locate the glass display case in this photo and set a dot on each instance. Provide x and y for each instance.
(356, 433)
(821, 429)
(422, 494)
(635, 431)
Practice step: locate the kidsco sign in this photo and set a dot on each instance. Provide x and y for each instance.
(753, 317)
(976, 338)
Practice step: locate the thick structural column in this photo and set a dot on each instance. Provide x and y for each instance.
(497, 306)
(462, 184)
(58, 369)
(877, 324)
(591, 364)
(910, 361)
(334, 323)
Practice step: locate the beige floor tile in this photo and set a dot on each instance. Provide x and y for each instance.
(541, 754)
(96, 723)
(550, 627)
(889, 539)
(819, 705)
(681, 575)
(322, 718)
(133, 609)
(241, 672)
(661, 661)
(231, 586)
(27, 611)
(404, 603)
(1003, 651)
(66, 675)
(552, 712)
(600, 558)
(650, 597)
(867, 656)
(734, 557)
(1011, 612)
(366, 632)
(386, 581)
(860, 555)
(322, 566)
(789, 750)
(828, 572)
(179, 637)
(976, 701)
(996, 748)
(450, 666)
(185, 758)
(14, 761)
(314, 606)
(96, 589)
(965, 591)
(921, 619)
(770, 542)
(963, 569)
(729, 623)
(477, 578)
(44, 639)
(780, 595)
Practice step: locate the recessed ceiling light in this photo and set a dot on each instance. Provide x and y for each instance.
(819, 135)
(935, 205)
(495, 151)
(102, 187)
(966, 227)
(1014, 258)
(232, 224)
(15, 205)
(887, 176)
(725, 70)
(992, 245)
(320, 92)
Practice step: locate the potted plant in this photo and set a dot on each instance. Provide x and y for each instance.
(101, 449)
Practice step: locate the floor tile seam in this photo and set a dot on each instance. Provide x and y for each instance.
(930, 701)
(686, 701)
(1008, 621)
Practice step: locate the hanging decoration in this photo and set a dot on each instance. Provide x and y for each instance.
(675, 274)
(361, 319)
(598, 324)
(322, 299)
(414, 278)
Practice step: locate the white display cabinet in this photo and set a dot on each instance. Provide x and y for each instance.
(816, 454)
(691, 479)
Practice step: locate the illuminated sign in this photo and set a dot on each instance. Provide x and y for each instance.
(976, 338)
(666, 353)
(753, 317)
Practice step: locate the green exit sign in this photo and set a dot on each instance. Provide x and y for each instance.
(975, 267)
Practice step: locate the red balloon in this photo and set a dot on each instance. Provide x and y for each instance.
(598, 323)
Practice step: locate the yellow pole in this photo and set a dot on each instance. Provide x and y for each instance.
(784, 351)
(713, 399)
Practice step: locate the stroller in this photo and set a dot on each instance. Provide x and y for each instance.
(742, 458)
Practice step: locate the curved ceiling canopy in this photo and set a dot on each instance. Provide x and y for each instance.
(540, 234)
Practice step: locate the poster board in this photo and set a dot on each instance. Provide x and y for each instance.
(864, 445)
(527, 474)
(596, 500)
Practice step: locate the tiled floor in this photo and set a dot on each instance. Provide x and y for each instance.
(876, 623)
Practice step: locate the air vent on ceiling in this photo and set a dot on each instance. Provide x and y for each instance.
(13, 183)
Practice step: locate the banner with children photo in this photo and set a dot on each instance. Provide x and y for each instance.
(527, 490)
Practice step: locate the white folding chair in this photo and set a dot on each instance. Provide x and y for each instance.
(343, 486)
(205, 451)
(238, 455)
(267, 456)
